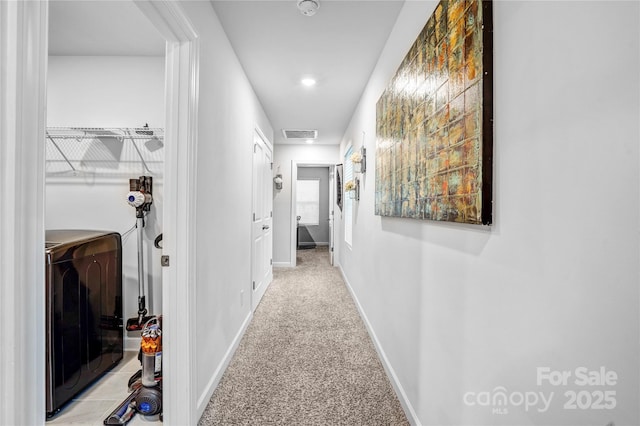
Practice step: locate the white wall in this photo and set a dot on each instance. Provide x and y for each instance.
(105, 91)
(108, 91)
(228, 114)
(554, 282)
(283, 157)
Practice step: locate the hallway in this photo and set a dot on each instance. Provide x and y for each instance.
(306, 358)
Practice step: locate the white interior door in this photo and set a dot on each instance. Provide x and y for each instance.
(332, 188)
(262, 232)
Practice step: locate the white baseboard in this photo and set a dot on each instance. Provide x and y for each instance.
(204, 398)
(393, 378)
(282, 265)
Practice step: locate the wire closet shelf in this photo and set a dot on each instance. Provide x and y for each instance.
(72, 151)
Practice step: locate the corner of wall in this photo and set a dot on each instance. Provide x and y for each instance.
(393, 378)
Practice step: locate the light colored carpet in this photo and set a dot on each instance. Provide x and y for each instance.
(306, 358)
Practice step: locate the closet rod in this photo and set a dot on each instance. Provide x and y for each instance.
(97, 136)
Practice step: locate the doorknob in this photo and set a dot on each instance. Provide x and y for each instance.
(265, 227)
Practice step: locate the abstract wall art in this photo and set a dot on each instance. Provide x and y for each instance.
(434, 138)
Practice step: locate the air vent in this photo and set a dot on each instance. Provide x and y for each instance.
(299, 134)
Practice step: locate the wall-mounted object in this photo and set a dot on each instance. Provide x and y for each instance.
(104, 151)
(352, 188)
(339, 186)
(277, 181)
(434, 136)
(359, 160)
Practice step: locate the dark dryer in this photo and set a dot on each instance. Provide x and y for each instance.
(84, 310)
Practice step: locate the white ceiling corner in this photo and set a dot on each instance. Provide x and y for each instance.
(101, 28)
(277, 46)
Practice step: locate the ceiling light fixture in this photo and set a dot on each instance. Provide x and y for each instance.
(309, 141)
(308, 82)
(308, 7)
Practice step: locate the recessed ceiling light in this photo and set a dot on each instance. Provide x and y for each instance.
(309, 141)
(308, 82)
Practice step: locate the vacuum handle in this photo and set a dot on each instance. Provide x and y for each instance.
(142, 306)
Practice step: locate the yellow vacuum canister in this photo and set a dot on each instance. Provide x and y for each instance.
(151, 347)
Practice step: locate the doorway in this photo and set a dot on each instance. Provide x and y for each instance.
(105, 125)
(27, 52)
(312, 209)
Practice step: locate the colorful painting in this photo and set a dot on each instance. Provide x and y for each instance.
(434, 139)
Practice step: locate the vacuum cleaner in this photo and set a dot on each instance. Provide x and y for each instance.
(140, 198)
(146, 384)
(149, 396)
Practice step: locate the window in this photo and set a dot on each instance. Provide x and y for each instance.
(348, 202)
(308, 201)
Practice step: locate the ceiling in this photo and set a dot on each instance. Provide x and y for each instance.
(101, 28)
(277, 46)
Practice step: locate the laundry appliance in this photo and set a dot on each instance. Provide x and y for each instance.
(84, 334)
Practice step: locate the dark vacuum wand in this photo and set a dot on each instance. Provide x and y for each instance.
(140, 198)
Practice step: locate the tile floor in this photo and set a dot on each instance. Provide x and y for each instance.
(95, 403)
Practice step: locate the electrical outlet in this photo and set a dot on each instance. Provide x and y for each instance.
(241, 297)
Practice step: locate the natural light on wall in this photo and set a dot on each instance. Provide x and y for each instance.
(348, 201)
(308, 201)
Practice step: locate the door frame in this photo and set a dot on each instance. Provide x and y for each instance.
(24, 28)
(294, 184)
(269, 146)
(24, 47)
(179, 224)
